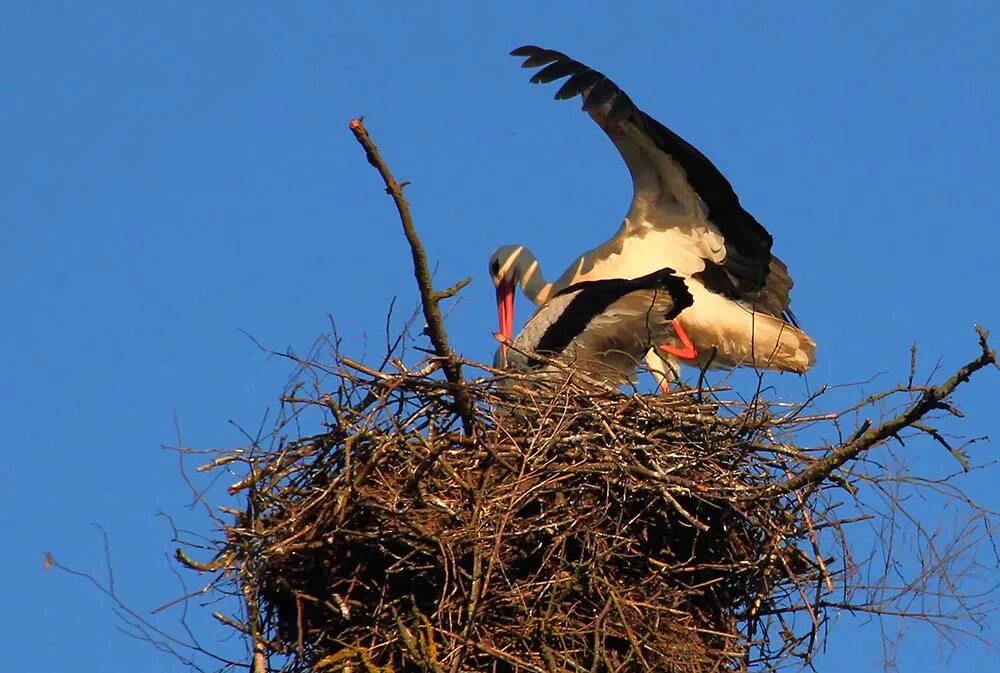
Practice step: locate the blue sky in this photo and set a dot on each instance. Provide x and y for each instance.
(173, 175)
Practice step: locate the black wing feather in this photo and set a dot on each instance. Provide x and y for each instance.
(537, 56)
(578, 83)
(557, 70)
(602, 92)
(595, 296)
(621, 108)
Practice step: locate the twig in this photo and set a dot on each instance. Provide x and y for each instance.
(449, 292)
(428, 297)
(932, 398)
(185, 560)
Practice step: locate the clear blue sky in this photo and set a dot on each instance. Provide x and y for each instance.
(175, 173)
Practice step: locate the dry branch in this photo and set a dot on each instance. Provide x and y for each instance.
(930, 399)
(429, 298)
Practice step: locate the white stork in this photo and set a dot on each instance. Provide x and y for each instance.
(684, 215)
(601, 327)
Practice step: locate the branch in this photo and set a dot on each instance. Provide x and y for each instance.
(930, 399)
(451, 291)
(428, 297)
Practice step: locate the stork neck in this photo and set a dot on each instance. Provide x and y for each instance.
(529, 276)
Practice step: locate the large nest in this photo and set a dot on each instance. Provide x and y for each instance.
(437, 527)
(573, 530)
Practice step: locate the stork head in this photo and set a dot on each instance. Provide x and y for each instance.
(505, 272)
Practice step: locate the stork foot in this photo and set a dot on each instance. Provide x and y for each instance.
(686, 351)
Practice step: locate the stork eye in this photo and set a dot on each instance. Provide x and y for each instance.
(495, 268)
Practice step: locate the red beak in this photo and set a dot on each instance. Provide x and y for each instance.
(505, 310)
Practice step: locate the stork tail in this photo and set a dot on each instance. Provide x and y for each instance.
(779, 345)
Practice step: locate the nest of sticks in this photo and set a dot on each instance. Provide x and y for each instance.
(573, 530)
(557, 528)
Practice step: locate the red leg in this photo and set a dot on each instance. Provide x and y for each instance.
(687, 350)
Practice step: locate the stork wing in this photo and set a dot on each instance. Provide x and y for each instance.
(605, 326)
(675, 185)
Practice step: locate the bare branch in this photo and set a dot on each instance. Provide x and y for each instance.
(428, 297)
(447, 293)
(932, 397)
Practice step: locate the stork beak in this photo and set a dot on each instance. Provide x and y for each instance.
(505, 310)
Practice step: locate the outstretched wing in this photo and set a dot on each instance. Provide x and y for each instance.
(675, 187)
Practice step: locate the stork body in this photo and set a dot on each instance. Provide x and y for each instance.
(684, 215)
(513, 265)
(603, 327)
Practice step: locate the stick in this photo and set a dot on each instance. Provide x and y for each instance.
(428, 297)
